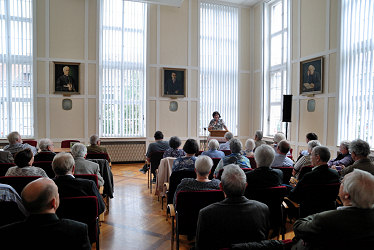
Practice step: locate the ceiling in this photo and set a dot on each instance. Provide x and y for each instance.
(178, 3)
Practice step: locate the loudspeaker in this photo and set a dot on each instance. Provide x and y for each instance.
(287, 108)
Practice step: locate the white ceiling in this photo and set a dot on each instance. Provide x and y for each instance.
(178, 3)
(247, 3)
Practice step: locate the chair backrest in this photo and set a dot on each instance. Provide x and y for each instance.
(155, 159)
(4, 168)
(97, 156)
(252, 162)
(219, 175)
(304, 170)
(31, 142)
(46, 166)
(199, 153)
(92, 177)
(67, 143)
(226, 151)
(82, 209)
(18, 182)
(176, 178)
(287, 173)
(10, 213)
(215, 164)
(188, 205)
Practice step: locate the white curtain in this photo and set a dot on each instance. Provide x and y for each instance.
(356, 93)
(16, 57)
(218, 64)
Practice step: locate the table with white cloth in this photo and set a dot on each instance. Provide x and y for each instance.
(163, 175)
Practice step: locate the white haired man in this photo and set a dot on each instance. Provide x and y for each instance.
(16, 145)
(46, 150)
(258, 138)
(212, 151)
(95, 146)
(226, 145)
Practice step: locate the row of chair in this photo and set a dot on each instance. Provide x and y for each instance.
(64, 144)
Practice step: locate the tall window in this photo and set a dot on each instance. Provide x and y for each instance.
(122, 68)
(356, 92)
(276, 63)
(218, 64)
(16, 85)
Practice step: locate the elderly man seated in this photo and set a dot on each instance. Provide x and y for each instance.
(344, 158)
(15, 144)
(234, 158)
(226, 145)
(83, 166)
(213, 145)
(350, 226)
(305, 160)
(258, 138)
(281, 159)
(95, 146)
(46, 151)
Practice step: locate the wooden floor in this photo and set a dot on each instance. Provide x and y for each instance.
(135, 219)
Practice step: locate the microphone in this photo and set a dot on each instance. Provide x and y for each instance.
(204, 129)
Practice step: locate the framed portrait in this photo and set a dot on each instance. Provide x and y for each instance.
(66, 76)
(311, 76)
(174, 82)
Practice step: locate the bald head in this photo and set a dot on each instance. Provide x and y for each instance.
(41, 196)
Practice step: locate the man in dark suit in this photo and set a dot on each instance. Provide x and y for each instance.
(43, 229)
(233, 220)
(68, 185)
(174, 86)
(350, 226)
(264, 176)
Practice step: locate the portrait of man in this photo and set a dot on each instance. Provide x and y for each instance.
(66, 78)
(173, 82)
(311, 76)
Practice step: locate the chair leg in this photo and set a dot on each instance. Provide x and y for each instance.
(150, 183)
(98, 235)
(148, 178)
(176, 231)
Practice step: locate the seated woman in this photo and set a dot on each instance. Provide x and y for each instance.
(213, 152)
(344, 158)
(187, 162)
(24, 160)
(203, 165)
(174, 150)
(249, 147)
(305, 160)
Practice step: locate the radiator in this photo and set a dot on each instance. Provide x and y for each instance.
(122, 151)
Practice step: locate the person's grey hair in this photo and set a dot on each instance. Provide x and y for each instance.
(62, 163)
(360, 186)
(264, 156)
(360, 147)
(44, 143)
(13, 137)
(213, 144)
(228, 136)
(284, 146)
(323, 152)
(279, 137)
(250, 144)
(345, 144)
(235, 145)
(233, 180)
(259, 134)
(203, 165)
(94, 139)
(79, 150)
(313, 143)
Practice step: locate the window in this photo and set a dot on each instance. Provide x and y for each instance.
(276, 55)
(16, 57)
(122, 68)
(218, 64)
(356, 92)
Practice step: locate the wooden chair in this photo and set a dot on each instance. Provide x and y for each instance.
(31, 142)
(4, 168)
(10, 213)
(67, 143)
(46, 166)
(155, 159)
(226, 151)
(287, 173)
(18, 182)
(82, 209)
(215, 164)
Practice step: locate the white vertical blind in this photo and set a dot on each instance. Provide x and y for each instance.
(356, 92)
(16, 86)
(218, 64)
(122, 68)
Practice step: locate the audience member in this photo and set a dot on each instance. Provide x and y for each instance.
(203, 165)
(360, 151)
(264, 176)
(226, 145)
(174, 150)
(258, 138)
(277, 138)
(68, 185)
(24, 160)
(188, 161)
(350, 226)
(7, 193)
(96, 147)
(6, 157)
(305, 160)
(46, 150)
(233, 220)
(43, 229)
(15, 144)
(249, 147)
(344, 158)
(83, 166)
(234, 158)
(213, 145)
(281, 159)
(309, 137)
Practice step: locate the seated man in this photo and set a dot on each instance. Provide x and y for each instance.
(344, 158)
(258, 138)
(234, 158)
(68, 185)
(203, 165)
(305, 160)
(15, 144)
(187, 162)
(233, 220)
(277, 138)
(226, 145)
(46, 151)
(83, 166)
(264, 176)
(350, 226)
(41, 199)
(281, 159)
(212, 151)
(95, 146)
(6, 157)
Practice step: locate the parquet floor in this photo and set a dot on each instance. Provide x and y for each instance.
(135, 219)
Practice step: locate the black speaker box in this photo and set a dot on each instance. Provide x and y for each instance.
(287, 108)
